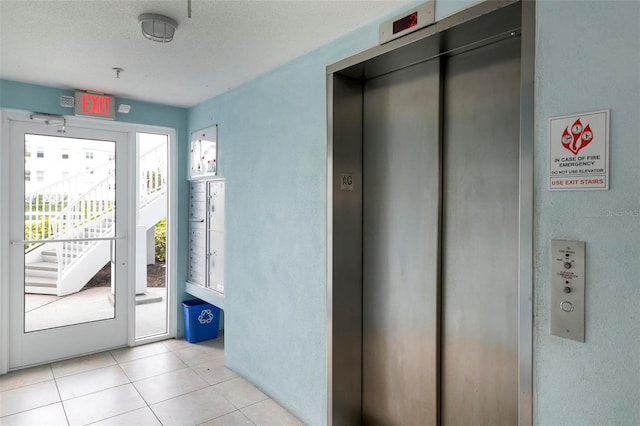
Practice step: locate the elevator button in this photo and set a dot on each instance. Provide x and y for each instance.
(567, 306)
(567, 289)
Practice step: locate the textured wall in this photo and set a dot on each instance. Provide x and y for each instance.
(588, 59)
(272, 152)
(272, 149)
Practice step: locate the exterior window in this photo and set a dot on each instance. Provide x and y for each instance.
(88, 155)
(39, 176)
(27, 175)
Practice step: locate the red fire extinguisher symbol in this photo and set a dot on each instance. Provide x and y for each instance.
(577, 137)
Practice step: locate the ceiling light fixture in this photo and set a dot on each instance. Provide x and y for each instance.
(157, 27)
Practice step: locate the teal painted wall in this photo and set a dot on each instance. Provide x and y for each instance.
(588, 59)
(30, 97)
(272, 152)
(272, 142)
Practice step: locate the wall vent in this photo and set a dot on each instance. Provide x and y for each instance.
(67, 101)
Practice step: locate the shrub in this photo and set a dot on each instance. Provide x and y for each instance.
(37, 229)
(161, 240)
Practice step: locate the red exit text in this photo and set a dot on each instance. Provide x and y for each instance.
(95, 105)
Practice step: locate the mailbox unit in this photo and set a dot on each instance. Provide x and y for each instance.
(206, 239)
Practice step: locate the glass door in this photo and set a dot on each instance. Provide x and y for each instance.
(69, 242)
(152, 225)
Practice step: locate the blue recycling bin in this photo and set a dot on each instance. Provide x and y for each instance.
(201, 320)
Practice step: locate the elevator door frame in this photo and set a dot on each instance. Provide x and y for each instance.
(482, 24)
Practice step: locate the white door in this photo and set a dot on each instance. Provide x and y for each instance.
(69, 242)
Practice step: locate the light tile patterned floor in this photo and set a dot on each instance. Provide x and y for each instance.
(165, 383)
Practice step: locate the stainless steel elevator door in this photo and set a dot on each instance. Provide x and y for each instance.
(480, 236)
(400, 246)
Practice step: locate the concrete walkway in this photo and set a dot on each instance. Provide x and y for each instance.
(93, 304)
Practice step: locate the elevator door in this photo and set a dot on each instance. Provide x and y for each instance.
(440, 241)
(480, 236)
(400, 246)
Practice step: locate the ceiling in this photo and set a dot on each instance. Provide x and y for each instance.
(75, 44)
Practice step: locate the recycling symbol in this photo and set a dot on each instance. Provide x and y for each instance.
(206, 316)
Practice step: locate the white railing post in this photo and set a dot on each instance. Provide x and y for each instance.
(43, 204)
(153, 180)
(89, 216)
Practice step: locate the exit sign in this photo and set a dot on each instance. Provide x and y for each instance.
(95, 105)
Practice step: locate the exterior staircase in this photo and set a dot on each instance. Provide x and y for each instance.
(67, 263)
(41, 277)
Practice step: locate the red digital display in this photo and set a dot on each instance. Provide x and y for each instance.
(406, 22)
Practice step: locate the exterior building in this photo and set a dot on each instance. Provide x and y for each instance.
(48, 160)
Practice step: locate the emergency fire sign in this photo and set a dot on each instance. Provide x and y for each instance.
(579, 152)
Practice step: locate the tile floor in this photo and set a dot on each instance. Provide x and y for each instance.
(172, 382)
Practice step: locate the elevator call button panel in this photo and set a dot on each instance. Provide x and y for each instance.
(567, 289)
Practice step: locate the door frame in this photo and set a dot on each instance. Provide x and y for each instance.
(8, 115)
(474, 26)
(171, 236)
(81, 337)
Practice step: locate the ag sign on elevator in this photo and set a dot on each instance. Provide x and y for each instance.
(579, 152)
